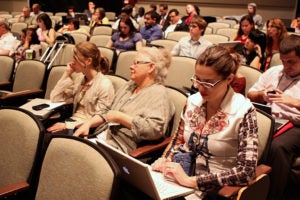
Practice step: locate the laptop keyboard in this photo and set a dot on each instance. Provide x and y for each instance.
(167, 187)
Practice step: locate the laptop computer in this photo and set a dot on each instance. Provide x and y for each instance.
(143, 178)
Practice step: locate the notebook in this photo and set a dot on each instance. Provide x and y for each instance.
(142, 177)
(45, 112)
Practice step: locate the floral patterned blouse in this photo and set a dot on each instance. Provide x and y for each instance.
(226, 146)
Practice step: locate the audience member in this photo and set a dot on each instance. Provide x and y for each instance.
(91, 9)
(296, 24)
(152, 7)
(285, 104)
(73, 27)
(71, 12)
(246, 26)
(25, 17)
(151, 30)
(36, 10)
(257, 19)
(141, 110)
(191, 11)
(90, 92)
(126, 12)
(139, 17)
(164, 18)
(7, 41)
(276, 31)
(45, 31)
(174, 21)
(215, 120)
(253, 51)
(127, 38)
(193, 45)
(98, 18)
(29, 40)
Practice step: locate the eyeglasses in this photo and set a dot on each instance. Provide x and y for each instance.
(196, 83)
(137, 62)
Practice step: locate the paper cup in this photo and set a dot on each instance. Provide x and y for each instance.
(29, 54)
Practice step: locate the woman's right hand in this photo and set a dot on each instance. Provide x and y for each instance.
(70, 68)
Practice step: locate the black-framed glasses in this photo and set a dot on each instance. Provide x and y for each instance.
(196, 83)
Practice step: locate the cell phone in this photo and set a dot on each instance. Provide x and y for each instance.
(271, 92)
(40, 106)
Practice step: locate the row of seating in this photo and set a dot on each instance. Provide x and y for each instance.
(34, 168)
(53, 173)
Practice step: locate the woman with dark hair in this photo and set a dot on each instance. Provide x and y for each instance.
(246, 26)
(90, 91)
(45, 31)
(254, 49)
(29, 40)
(127, 38)
(73, 27)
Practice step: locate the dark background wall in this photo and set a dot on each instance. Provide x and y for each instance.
(80, 5)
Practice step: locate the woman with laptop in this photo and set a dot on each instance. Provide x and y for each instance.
(217, 134)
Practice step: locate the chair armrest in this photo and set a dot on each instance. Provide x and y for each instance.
(229, 191)
(5, 83)
(14, 188)
(21, 94)
(144, 150)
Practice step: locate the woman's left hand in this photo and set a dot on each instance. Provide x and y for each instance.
(175, 170)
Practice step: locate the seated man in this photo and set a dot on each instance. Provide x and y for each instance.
(251, 7)
(7, 41)
(174, 17)
(193, 45)
(25, 17)
(151, 30)
(279, 88)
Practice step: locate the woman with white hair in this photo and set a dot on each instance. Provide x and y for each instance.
(141, 109)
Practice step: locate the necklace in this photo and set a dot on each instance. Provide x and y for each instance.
(287, 85)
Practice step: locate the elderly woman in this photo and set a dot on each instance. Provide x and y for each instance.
(90, 91)
(141, 110)
(215, 120)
